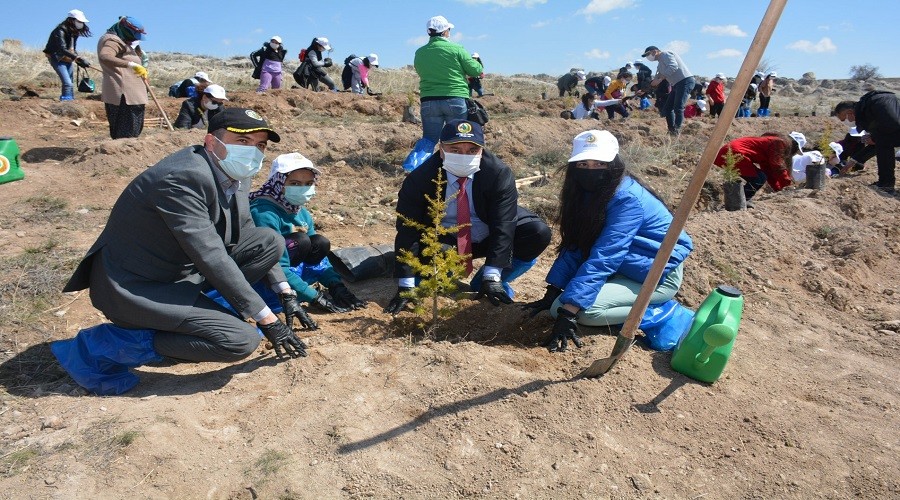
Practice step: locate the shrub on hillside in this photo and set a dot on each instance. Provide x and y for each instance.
(864, 72)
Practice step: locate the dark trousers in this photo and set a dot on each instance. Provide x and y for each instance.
(306, 249)
(616, 108)
(530, 239)
(884, 154)
(753, 184)
(210, 332)
(716, 109)
(125, 120)
(764, 101)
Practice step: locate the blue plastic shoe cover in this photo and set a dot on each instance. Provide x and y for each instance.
(422, 150)
(98, 358)
(664, 323)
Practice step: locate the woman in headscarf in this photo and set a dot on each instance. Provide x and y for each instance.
(124, 91)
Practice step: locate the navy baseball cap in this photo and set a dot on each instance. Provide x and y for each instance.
(462, 131)
(240, 120)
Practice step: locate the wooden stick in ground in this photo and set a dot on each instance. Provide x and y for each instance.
(165, 117)
(751, 61)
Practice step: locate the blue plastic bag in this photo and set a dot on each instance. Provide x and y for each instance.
(99, 357)
(422, 150)
(663, 324)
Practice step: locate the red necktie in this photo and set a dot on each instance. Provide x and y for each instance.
(464, 221)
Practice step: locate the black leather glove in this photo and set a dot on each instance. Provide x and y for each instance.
(545, 303)
(494, 291)
(325, 303)
(293, 309)
(327, 62)
(82, 63)
(398, 303)
(343, 297)
(564, 330)
(281, 337)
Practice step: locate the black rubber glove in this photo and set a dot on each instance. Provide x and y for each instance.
(327, 62)
(545, 303)
(325, 303)
(293, 309)
(82, 63)
(343, 297)
(494, 291)
(283, 340)
(564, 330)
(398, 303)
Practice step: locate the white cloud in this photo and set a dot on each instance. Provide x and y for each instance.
(597, 54)
(541, 24)
(822, 46)
(599, 7)
(724, 30)
(724, 53)
(679, 47)
(506, 3)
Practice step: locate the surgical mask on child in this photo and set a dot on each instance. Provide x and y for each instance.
(461, 165)
(240, 162)
(299, 195)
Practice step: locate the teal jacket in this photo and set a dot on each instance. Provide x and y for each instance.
(267, 213)
(442, 66)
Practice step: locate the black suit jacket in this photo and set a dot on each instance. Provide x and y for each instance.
(494, 196)
(878, 113)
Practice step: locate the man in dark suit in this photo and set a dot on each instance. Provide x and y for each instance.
(481, 191)
(878, 113)
(182, 228)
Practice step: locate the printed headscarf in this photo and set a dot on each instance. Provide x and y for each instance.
(273, 189)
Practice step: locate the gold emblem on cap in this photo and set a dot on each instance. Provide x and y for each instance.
(253, 114)
(590, 138)
(464, 128)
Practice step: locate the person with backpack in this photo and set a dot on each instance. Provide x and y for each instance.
(190, 87)
(267, 64)
(312, 66)
(124, 90)
(355, 75)
(196, 111)
(61, 50)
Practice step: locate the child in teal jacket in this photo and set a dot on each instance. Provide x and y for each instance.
(280, 204)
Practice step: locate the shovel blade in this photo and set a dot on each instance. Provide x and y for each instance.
(601, 366)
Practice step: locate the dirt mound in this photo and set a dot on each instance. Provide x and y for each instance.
(808, 406)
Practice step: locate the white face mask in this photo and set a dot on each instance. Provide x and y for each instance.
(79, 25)
(461, 165)
(651, 57)
(849, 123)
(240, 162)
(274, 45)
(209, 106)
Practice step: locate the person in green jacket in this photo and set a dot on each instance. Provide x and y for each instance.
(443, 67)
(280, 204)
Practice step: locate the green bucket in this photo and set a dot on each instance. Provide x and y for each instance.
(9, 161)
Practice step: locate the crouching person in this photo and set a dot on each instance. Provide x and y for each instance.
(482, 199)
(611, 229)
(280, 204)
(182, 228)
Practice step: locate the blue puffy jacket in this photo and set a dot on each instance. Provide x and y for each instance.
(636, 223)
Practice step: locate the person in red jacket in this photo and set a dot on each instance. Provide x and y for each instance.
(765, 159)
(716, 93)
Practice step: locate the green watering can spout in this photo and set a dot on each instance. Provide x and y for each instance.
(715, 336)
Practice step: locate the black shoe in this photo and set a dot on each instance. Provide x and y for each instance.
(884, 189)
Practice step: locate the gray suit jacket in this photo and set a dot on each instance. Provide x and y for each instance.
(167, 239)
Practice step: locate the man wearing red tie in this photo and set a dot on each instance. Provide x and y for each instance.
(482, 198)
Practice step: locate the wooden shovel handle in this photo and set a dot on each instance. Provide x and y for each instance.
(165, 116)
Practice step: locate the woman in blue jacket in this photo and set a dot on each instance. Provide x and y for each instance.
(280, 204)
(611, 228)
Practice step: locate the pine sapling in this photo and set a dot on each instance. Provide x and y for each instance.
(824, 144)
(439, 266)
(729, 171)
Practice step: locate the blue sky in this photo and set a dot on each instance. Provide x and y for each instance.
(512, 36)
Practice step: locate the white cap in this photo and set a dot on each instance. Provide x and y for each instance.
(701, 104)
(720, 76)
(321, 40)
(288, 162)
(638, 62)
(276, 38)
(629, 65)
(856, 133)
(216, 91)
(581, 75)
(439, 24)
(753, 86)
(597, 145)
(758, 73)
(77, 15)
(799, 138)
(201, 75)
(837, 148)
(772, 74)
(475, 55)
(373, 59)
(607, 80)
